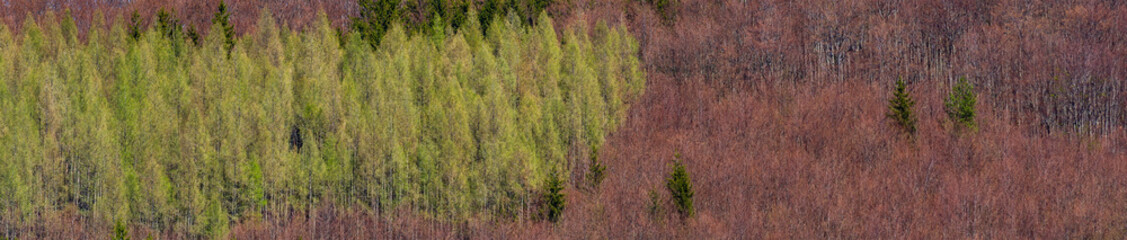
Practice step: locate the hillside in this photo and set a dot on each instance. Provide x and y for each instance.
(784, 114)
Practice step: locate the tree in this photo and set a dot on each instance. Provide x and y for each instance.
(680, 187)
(454, 12)
(168, 25)
(173, 31)
(654, 206)
(376, 18)
(529, 10)
(69, 29)
(223, 18)
(554, 202)
(193, 35)
(120, 231)
(960, 104)
(596, 170)
(490, 9)
(664, 9)
(900, 108)
(135, 25)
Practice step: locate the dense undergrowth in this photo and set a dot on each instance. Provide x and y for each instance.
(160, 133)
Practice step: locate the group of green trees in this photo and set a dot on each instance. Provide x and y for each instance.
(135, 126)
(377, 17)
(960, 106)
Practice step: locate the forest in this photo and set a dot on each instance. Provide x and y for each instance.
(549, 119)
(144, 126)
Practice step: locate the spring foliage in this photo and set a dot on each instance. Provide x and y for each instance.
(156, 133)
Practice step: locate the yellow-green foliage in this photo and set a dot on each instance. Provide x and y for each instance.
(453, 126)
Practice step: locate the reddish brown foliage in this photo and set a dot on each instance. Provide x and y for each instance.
(1057, 66)
(778, 109)
(825, 164)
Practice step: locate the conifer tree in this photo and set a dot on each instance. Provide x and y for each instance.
(69, 30)
(376, 18)
(223, 18)
(490, 11)
(554, 202)
(680, 187)
(960, 104)
(168, 25)
(120, 231)
(596, 171)
(664, 9)
(194, 35)
(172, 30)
(900, 108)
(135, 25)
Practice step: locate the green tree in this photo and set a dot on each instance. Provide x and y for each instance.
(376, 18)
(168, 25)
(223, 18)
(680, 187)
(596, 171)
(664, 9)
(193, 35)
(491, 10)
(69, 29)
(172, 30)
(554, 202)
(529, 10)
(454, 12)
(120, 231)
(900, 108)
(135, 25)
(960, 104)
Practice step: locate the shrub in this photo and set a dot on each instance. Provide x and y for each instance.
(900, 108)
(680, 187)
(554, 201)
(960, 104)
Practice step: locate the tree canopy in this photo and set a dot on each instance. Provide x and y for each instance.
(136, 126)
